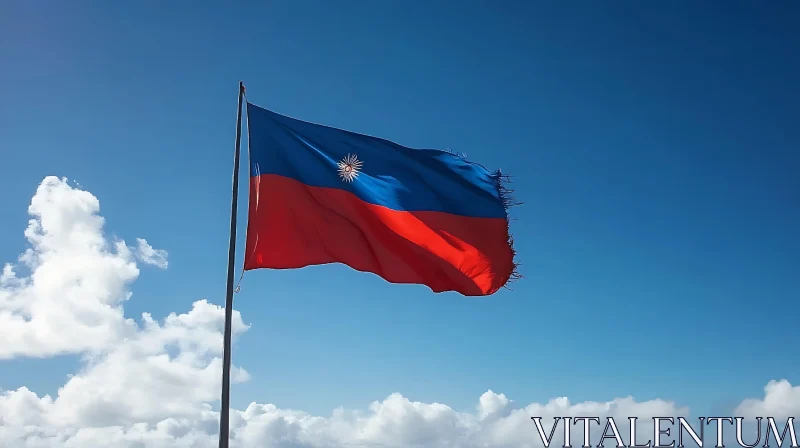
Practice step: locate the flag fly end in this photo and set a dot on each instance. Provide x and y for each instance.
(506, 194)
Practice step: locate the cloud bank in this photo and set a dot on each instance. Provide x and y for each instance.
(151, 383)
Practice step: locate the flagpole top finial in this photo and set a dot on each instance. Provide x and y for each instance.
(241, 87)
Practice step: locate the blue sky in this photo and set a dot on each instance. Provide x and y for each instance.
(655, 148)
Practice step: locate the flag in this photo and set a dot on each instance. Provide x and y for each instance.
(322, 195)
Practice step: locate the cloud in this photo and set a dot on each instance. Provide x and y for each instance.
(781, 399)
(71, 301)
(148, 255)
(137, 380)
(151, 383)
(393, 422)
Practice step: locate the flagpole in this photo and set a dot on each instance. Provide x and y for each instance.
(224, 417)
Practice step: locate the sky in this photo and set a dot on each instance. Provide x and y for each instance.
(654, 146)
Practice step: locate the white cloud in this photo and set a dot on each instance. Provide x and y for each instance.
(151, 384)
(147, 254)
(392, 422)
(71, 302)
(781, 399)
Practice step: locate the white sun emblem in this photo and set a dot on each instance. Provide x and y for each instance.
(349, 167)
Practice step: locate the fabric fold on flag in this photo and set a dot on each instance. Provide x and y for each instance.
(321, 195)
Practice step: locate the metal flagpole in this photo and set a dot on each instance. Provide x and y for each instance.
(224, 420)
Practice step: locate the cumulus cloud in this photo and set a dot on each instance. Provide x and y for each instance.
(393, 422)
(71, 300)
(781, 399)
(151, 383)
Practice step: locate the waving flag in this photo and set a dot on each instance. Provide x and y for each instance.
(323, 195)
